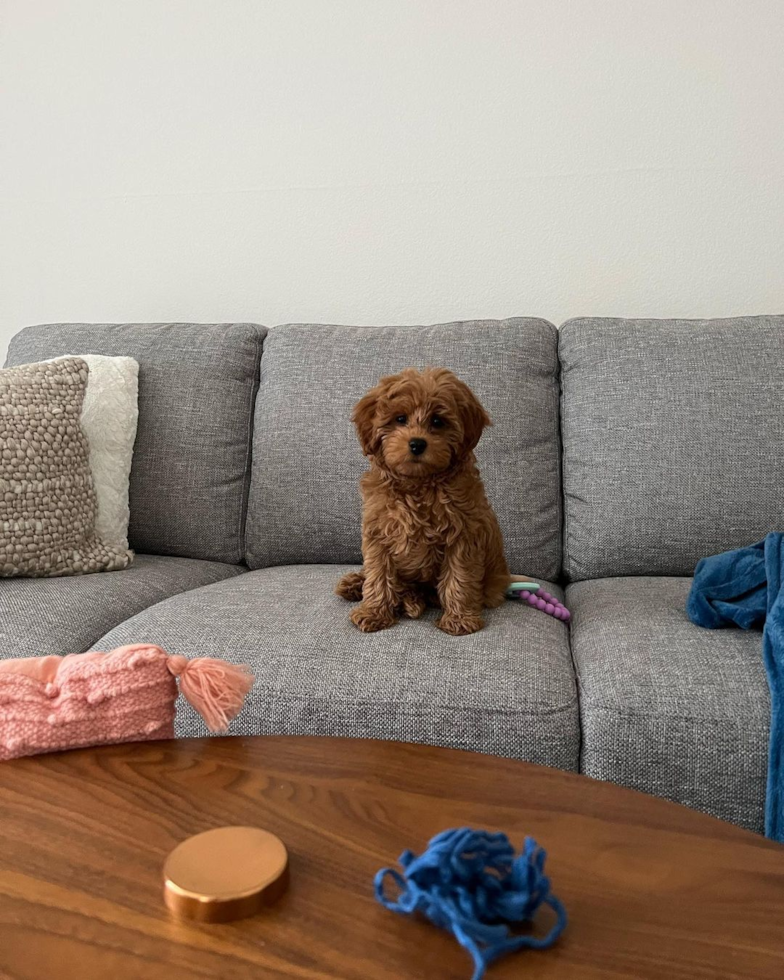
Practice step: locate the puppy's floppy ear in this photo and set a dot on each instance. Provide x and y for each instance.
(472, 414)
(364, 418)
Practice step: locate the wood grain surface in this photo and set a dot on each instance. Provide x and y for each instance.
(653, 890)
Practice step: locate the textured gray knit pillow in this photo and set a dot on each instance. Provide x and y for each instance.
(47, 499)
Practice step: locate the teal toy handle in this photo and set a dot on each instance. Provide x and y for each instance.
(523, 587)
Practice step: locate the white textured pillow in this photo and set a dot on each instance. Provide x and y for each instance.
(109, 416)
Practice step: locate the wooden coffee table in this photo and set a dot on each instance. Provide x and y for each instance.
(652, 889)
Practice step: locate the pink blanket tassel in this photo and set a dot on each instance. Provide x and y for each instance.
(216, 689)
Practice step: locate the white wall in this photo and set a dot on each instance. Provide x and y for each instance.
(389, 160)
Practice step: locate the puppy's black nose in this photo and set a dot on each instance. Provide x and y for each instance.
(417, 446)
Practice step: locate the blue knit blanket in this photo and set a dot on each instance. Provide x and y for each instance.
(745, 588)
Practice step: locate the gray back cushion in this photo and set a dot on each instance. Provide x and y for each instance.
(673, 441)
(191, 462)
(304, 498)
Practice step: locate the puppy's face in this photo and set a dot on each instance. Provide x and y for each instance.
(417, 424)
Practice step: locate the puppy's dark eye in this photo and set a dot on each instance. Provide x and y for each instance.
(437, 422)
(401, 419)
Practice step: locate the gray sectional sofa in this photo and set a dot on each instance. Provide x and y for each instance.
(621, 453)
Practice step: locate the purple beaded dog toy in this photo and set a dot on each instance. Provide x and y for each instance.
(534, 595)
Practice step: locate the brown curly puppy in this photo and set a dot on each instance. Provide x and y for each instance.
(428, 532)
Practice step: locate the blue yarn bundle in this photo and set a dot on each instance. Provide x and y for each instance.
(470, 883)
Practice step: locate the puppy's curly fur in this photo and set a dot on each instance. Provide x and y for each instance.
(429, 535)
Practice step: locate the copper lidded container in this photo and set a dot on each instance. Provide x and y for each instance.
(225, 874)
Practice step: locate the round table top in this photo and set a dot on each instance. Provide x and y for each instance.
(653, 890)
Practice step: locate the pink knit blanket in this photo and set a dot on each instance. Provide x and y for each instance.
(53, 703)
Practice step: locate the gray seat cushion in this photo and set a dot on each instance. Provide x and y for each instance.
(304, 497)
(67, 615)
(508, 690)
(667, 707)
(673, 441)
(191, 462)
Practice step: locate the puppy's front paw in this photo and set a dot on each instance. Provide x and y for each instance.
(460, 624)
(371, 620)
(413, 605)
(350, 586)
